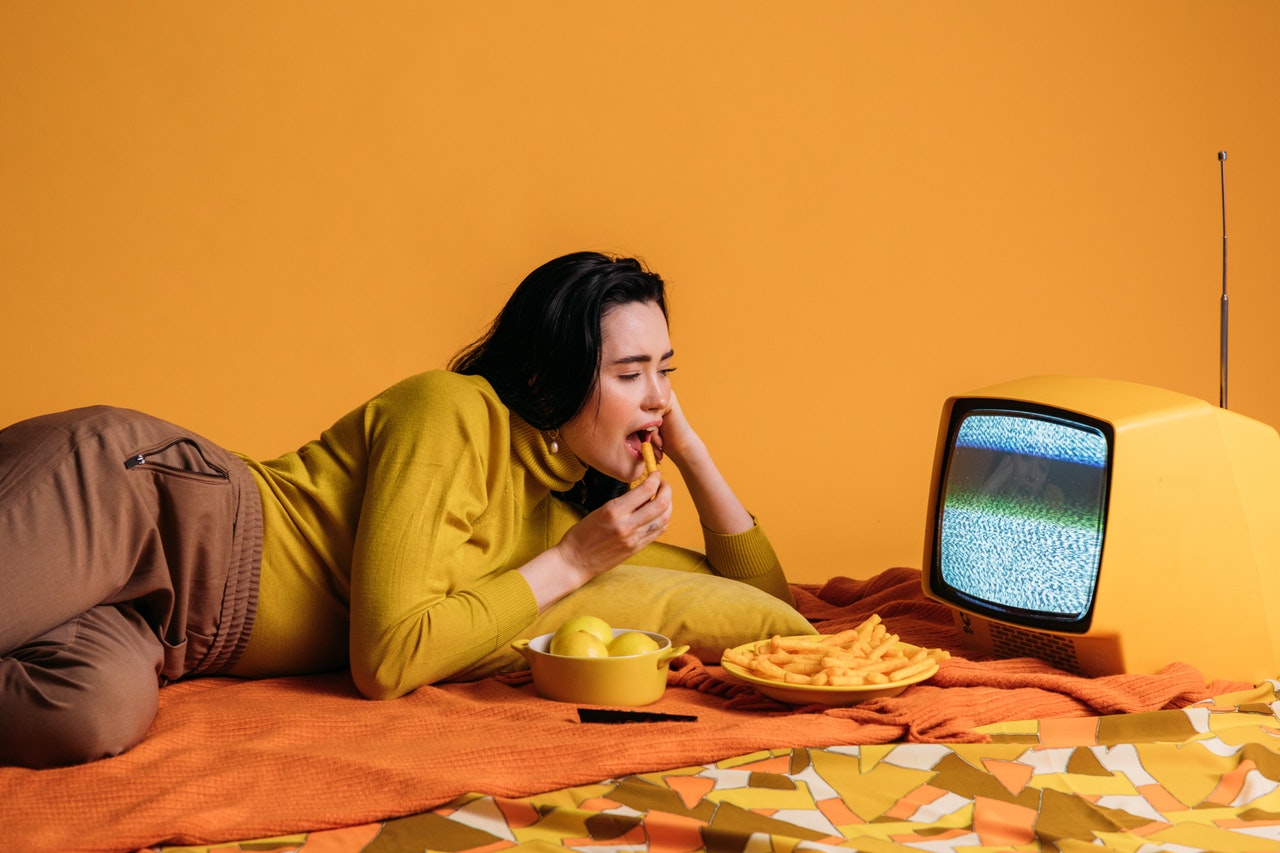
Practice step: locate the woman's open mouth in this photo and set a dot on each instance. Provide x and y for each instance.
(640, 436)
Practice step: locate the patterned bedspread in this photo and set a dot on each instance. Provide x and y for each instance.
(1201, 778)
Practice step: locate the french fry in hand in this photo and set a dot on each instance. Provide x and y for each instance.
(650, 462)
(866, 655)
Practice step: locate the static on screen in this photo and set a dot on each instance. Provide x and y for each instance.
(1024, 512)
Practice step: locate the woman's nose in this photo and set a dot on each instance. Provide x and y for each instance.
(658, 394)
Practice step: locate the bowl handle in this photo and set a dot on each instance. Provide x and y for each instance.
(522, 646)
(671, 654)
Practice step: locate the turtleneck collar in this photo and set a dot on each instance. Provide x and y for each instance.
(557, 471)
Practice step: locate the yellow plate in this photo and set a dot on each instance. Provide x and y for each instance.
(810, 694)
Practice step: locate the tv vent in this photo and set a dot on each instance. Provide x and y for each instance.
(1011, 642)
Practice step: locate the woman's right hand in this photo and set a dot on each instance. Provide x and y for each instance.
(602, 541)
(619, 528)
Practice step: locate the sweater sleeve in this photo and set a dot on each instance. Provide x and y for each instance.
(428, 593)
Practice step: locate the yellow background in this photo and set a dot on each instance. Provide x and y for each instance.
(249, 217)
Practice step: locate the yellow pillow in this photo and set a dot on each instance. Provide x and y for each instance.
(707, 612)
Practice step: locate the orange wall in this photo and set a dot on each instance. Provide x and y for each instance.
(249, 217)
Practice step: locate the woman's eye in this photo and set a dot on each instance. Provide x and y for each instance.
(632, 377)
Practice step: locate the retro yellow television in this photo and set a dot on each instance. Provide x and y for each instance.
(1107, 527)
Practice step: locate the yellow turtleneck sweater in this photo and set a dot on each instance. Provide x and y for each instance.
(389, 541)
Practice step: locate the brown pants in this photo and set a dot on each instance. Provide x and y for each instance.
(129, 556)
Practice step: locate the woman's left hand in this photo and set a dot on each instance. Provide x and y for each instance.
(718, 507)
(676, 437)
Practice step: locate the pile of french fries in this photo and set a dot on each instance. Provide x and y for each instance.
(866, 655)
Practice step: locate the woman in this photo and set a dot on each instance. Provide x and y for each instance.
(411, 542)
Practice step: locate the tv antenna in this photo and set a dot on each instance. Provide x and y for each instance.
(1222, 333)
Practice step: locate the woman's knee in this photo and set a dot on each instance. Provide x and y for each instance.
(63, 734)
(84, 691)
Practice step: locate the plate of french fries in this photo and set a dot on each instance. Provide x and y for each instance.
(833, 669)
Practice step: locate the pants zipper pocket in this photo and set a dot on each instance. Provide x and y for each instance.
(160, 457)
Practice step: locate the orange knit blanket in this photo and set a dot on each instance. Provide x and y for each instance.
(228, 759)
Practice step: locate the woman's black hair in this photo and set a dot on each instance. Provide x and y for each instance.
(542, 352)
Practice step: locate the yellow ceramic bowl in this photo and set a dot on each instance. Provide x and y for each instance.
(630, 680)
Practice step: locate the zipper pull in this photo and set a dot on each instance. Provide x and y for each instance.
(134, 461)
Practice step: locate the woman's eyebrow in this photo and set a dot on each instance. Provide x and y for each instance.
(644, 359)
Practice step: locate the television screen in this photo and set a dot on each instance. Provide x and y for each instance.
(1023, 515)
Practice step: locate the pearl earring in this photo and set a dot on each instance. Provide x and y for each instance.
(554, 441)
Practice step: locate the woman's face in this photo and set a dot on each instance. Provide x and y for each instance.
(632, 394)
